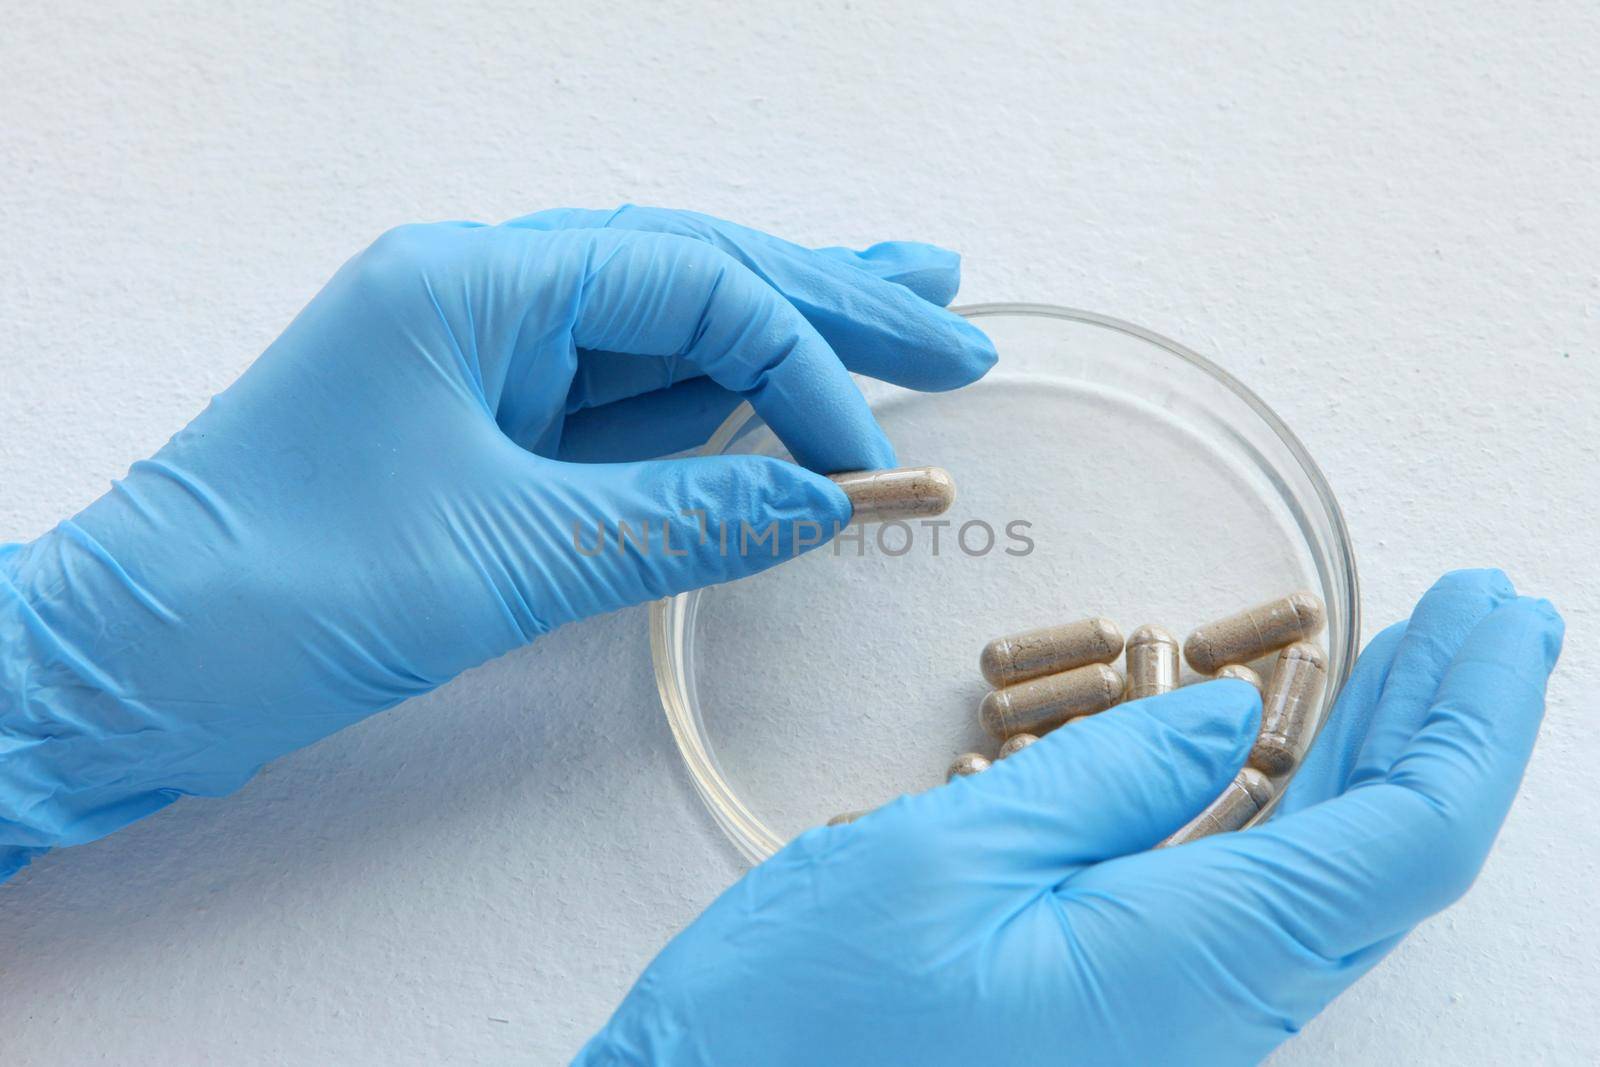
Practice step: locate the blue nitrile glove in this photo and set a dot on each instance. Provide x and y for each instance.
(1016, 916)
(386, 497)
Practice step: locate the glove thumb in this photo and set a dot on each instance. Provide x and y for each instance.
(1107, 785)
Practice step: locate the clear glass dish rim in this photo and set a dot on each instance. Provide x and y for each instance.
(754, 840)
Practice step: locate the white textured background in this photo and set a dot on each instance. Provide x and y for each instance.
(1383, 217)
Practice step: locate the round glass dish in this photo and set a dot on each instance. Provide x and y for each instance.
(1100, 470)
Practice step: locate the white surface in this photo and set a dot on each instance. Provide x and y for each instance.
(1383, 218)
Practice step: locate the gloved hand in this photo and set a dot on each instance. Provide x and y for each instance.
(1016, 916)
(388, 496)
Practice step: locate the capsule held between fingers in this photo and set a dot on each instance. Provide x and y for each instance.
(1287, 708)
(1041, 704)
(1016, 743)
(1152, 663)
(1049, 650)
(1246, 795)
(901, 493)
(1240, 672)
(1254, 632)
(968, 763)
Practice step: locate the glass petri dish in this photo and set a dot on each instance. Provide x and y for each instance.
(1101, 470)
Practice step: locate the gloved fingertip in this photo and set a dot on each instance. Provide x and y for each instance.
(1546, 626)
(1223, 709)
(803, 508)
(1205, 730)
(1197, 733)
(864, 455)
(815, 496)
(1521, 639)
(913, 255)
(932, 272)
(718, 518)
(982, 351)
(1458, 601)
(1243, 699)
(810, 402)
(1548, 610)
(964, 354)
(1490, 581)
(1123, 779)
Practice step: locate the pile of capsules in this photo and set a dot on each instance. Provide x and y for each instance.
(1049, 677)
(1053, 676)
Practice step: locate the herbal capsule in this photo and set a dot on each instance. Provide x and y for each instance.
(1254, 632)
(1152, 663)
(1287, 708)
(1241, 672)
(1042, 704)
(902, 493)
(1049, 650)
(847, 817)
(1247, 794)
(968, 763)
(1016, 743)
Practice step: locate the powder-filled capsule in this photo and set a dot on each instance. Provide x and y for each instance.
(1016, 743)
(901, 493)
(1254, 632)
(1287, 708)
(1152, 663)
(967, 763)
(1247, 794)
(1241, 672)
(1049, 650)
(1041, 704)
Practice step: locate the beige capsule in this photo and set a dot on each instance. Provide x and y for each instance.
(1241, 672)
(1287, 708)
(1016, 743)
(1246, 795)
(1152, 663)
(1254, 632)
(848, 817)
(1049, 650)
(902, 493)
(968, 763)
(1041, 704)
